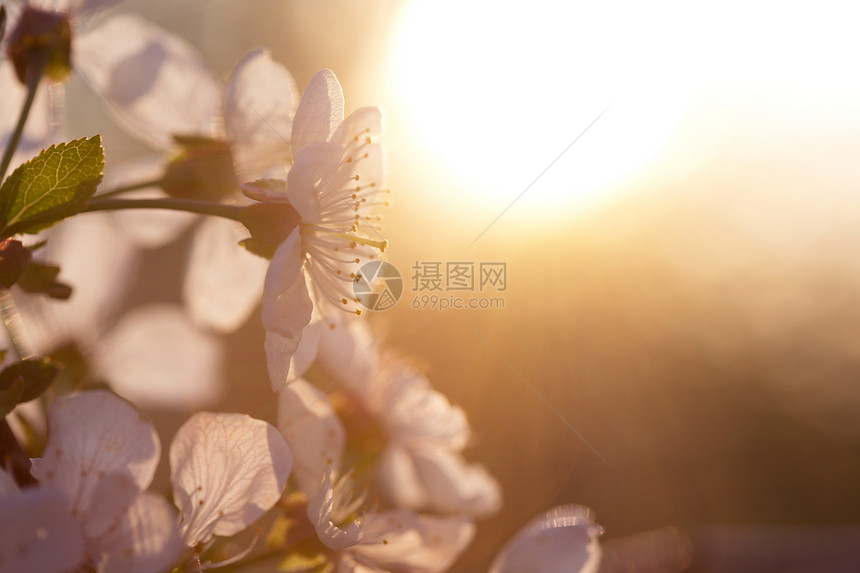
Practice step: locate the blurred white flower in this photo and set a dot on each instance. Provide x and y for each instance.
(226, 469)
(564, 540)
(421, 466)
(158, 86)
(394, 540)
(155, 357)
(335, 185)
(100, 456)
(397, 539)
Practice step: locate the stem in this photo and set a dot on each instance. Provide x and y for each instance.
(190, 205)
(12, 322)
(132, 187)
(12, 455)
(15, 138)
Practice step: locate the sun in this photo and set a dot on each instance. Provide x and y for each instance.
(535, 95)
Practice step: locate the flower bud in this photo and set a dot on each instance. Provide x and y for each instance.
(202, 170)
(41, 43)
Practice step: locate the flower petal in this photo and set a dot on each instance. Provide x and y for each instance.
(37, 533)
(453, 486)
(418, 415)
(309, 178)
(224, 282)
(260, 99)
(99, 263)
(398, 479)
(320, 111)
(287, 306)
(562, 541)
(156, 84)
(347, 352)
(313, 431)
(98, 446)
(154, 356)
(227, 470)
(365, 120)
(320, 508)
(401, 540)
(144, 540)
(285, 360)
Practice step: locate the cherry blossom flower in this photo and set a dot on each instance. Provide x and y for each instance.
(226, 470)
(100, 457)
(37, 531)
(335, 186)
(564, 540)
(392, 540)
(421, 465)
(158, 86)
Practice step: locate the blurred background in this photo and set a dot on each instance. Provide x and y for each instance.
(683, 288)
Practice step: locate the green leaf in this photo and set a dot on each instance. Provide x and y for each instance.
(33, 375)
(52, 186)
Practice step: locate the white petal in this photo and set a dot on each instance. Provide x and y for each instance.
(98, 262)
(320, 111)
(151, 228)
(156, 357)
(145, 539)
(37, 533)
(286, 361)
(403, 541)
(453, 486)
(224, 281)
(287, 306)
(156, 83)
(398, 479)
(309, 177)
(320, 508)
(365, 121)
(96, 439)
(348, 353)
(313, 431)
(562, 541)
(227, 470)
(417, 414)
(260, 100)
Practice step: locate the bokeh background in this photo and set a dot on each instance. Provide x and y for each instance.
(683, 285)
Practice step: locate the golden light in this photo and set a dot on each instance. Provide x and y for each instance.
(499, 92)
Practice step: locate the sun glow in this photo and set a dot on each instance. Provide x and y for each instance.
(501, 92)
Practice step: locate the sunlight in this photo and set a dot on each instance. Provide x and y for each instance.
(498, 95)
(499, 92)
